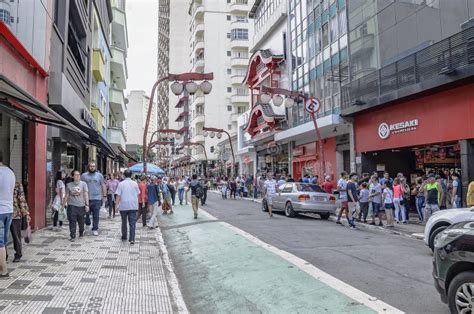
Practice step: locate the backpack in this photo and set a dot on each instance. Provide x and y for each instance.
(199, 191)
(171, 188)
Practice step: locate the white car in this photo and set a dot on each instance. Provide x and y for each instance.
(442, 219)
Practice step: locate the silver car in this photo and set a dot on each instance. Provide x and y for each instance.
(296, 197)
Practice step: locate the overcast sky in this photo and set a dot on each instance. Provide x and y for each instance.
(142, 19)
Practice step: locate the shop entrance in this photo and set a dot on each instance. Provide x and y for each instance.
(441, 158)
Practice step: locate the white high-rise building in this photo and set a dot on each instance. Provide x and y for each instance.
(219, 43)
(137, 112)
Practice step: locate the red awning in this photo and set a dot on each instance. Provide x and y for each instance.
(261, 58)
(269, 117)
(181, 102)
(182, 115)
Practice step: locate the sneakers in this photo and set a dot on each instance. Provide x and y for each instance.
(372, 223)
(16, 260)
(72, 240)
(95, 232)
(338, 222)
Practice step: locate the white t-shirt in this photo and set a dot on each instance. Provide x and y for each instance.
(128, 191)
(342, 184)
(181, 184)
(270, 185)
(388, 196)
(6, 190)
(376, 188)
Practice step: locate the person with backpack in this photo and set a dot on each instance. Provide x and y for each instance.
(172, 188)
(204, 184)
(166, 196)
(197, 192)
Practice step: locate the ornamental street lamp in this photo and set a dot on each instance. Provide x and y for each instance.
(181, 82)
(312, 106)
(215, 132)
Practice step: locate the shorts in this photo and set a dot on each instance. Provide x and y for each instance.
(5, 222)
(345, 204)
(353, 206)
(269, 200)
(389, 206)
(376, 208)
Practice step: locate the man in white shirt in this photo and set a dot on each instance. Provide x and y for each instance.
(127, 203)
(6, 211)
(271, 189)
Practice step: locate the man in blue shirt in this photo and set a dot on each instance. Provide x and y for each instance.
(97, 195)
(386, 176)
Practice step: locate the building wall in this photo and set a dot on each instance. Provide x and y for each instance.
(163, 62)
(137, 112)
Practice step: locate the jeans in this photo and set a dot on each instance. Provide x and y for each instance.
(399, 210)
(232, 192)
(142, 212)
(155, 210)
(56, 219)
(430, 209)
(204, 196)
(255, 192)
(457, 202)
(181, 196)
(76, 217)
(15, 229)
(111, 204)
(132, 222)
(173, 196)
(94, 206)
(420, 203)
(5, 222)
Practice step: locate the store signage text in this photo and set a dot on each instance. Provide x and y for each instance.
(298, 151)
(385, 129)
(89, 119)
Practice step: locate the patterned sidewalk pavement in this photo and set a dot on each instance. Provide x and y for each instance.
(98, 274)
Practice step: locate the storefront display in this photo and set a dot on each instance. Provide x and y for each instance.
(274, 159)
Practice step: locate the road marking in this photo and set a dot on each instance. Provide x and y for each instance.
(346, 289)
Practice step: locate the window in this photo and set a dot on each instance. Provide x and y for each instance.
(334, 28)
(239, 34)
(241, 109)
(229, 108)
(309, 188)
(228, 35)
(342, 22)
(325, 35)
(242, 19)
(229, 89)
(229, 71)
(228, 17)
(228, 53)
(5, 16)
(228, 1)
(229, 126)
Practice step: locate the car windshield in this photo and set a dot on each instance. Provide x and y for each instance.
(309, 188)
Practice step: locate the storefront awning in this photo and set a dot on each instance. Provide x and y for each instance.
(18, 103)
(130, 157)
(98, 141)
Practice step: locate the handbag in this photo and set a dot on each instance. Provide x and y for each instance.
(26, 234)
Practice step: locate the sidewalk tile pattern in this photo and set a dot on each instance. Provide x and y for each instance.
(95, 274)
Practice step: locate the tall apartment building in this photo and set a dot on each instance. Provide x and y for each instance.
(219, 43)
(137, 113)
(163, 60)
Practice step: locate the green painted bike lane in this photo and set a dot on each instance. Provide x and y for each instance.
(221, 271)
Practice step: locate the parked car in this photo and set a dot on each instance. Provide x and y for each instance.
(442, 219)
(296, 197)
(453, 266)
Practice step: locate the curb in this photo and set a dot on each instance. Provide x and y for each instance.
(416, 236)
(172, 280)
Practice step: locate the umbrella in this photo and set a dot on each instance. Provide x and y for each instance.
(151, 168)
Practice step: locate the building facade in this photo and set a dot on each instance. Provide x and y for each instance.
(410, 86)
(223, 50)
(138, 103)
(164, 38)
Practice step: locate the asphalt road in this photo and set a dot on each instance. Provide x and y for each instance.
(395, 269)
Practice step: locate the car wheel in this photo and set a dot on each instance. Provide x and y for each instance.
(433, 235)
(324, 216)
(289, 212)
(461, 292)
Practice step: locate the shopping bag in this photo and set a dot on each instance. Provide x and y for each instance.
(26, 234)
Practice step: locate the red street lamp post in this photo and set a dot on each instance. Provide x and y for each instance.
(212, 132)
(312, 106)
(181, 82)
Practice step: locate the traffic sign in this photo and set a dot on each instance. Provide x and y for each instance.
(312, 105)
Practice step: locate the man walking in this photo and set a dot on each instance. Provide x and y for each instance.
(97, 194)
(204, 186)
(352, 199)
(270, 190)
(196, 193)
(153, 201)
(6, 211)
(127, 203)
(434, 193)
(342, 189)
(457, 191)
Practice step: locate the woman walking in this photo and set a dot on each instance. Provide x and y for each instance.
(233, 189)
(111, 186)
(57, 207)
(181, 187)
(77, 197)
(419, 198)
(398, 201)
(20, 214)
(387, 200)
(223, 185)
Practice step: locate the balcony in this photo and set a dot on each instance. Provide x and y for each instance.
(275, 19)
(240, 98)
(237, 79)
(198, 29)
(239, 43)
(118, 66)
(98, 117)
(98, 65)
(444, 62)
(198, 12)
(239, 6)
(119, 29)
(117, 103)
(362, 45)
(234, 116)
(116, 135)
(239, 62)
(199, 138)
(198, 100)
(199, 156)
(199, 65)
(239, 24)
(198, 47)
(199, 118)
